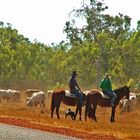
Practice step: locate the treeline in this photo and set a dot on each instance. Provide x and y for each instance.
(102, 44)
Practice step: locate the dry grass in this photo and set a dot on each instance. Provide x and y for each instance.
(127, 126)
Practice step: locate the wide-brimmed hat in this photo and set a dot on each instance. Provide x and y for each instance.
(107, 75)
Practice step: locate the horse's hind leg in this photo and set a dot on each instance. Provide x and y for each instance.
(57, 112)
(52, 110)
(94, 112)
(85, 115)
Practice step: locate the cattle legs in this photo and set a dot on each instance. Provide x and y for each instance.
(42, 106)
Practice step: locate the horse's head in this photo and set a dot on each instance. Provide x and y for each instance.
(126, 91)
(123, 91)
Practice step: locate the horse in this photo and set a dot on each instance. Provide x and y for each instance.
(94, 98)
(59, 96)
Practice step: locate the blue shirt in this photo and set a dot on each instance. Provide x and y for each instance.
(73, 84)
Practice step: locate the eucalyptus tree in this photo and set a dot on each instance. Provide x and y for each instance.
(131, 55)
(56, 56)
(11, 52)
(106, 31)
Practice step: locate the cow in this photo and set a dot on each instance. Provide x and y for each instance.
(15, 94)
(128, 105)
(29, 92)
(9, 95)
(37, 98)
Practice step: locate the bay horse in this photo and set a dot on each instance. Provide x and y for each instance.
(58, 96)
(95, 98)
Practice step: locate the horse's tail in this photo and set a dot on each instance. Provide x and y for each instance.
(52, 101)
(87, 107)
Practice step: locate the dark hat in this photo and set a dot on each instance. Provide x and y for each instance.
(74, 73)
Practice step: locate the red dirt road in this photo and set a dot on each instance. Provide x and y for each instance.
(59, 130)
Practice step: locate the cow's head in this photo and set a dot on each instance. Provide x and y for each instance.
(29, 102)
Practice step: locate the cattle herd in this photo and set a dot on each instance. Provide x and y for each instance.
(9, 95)
(37, 97)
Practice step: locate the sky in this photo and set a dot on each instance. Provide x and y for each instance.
(44, 20)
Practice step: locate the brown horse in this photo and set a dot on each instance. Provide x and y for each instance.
(95, 98)
(59, 96)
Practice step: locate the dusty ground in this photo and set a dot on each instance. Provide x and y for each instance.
(125, 127)
(60, 130)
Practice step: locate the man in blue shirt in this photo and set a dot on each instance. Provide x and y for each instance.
(74, 88)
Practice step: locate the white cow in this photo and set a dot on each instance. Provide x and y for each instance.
(37, 98)
(128, 105)
(29, 92)
(9, 95)
(15, 94)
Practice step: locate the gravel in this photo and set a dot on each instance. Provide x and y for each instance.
(10, 132)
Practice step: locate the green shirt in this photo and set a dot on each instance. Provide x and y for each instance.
(106, 84)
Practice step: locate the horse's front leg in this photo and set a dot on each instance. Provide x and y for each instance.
(80, 113)
(112, 119)
(94, 112)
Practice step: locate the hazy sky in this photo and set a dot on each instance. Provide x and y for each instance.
(44, 20)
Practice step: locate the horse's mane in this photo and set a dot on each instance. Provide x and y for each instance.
(122, 91)
(119, 89)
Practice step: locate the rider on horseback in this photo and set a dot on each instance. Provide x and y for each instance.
(106, 87)
(74, 88)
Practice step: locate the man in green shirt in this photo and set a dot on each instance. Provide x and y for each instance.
(106, 87)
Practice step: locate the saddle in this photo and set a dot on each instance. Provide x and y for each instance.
(104, 95)
(69, 94)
